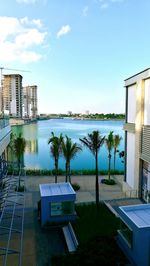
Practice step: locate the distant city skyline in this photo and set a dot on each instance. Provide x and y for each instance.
(78, 52)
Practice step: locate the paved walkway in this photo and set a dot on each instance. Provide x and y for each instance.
(85, 194)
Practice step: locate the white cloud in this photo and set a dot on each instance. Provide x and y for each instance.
(36, 22)
(31, 1)
(85, 11)
(106, 3)
(115, 1)
(26, 1)
(20, 38)
(63, 31)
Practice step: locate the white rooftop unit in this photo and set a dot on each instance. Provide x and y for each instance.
(134, 234)
(57, 189)
(57, 202)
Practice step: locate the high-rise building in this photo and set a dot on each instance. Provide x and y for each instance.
(12, 95)
(30, 101)
(137, 135)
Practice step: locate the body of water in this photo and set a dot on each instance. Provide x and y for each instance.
(37, 153)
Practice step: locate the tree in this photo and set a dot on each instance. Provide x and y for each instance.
(55, 149)
(94, 142)
(19, 145)
(69, 150)
(122, 156)
(116, 142)
(109, 145)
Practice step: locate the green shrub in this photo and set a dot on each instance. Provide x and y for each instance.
(108, 181)
(46, 172)
(59, 172)
(75, 186)
(20, 188)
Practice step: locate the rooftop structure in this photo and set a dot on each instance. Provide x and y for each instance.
(59, 189)
(134, 234)
(138, 214)
(57, 202)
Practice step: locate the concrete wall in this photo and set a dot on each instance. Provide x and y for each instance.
(130, 159)
(131, 104)
(147, 102)
(46, 208)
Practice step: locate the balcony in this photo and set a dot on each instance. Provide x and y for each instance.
(4, 122)
(5, 131)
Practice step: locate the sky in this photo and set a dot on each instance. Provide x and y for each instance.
(78, 52)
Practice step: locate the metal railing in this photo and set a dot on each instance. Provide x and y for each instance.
(4, 122)
(133, 193)
(11, 218)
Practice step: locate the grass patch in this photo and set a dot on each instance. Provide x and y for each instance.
(93, 223)
(95, 230)
(99, 251)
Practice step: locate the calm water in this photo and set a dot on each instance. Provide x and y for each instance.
(37, 154)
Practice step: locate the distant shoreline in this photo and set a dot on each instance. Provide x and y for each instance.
(82, 119)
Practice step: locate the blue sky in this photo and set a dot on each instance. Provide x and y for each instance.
(78, 51)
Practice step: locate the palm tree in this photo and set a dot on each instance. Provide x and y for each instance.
(19, 145)
(93, 142)
(116, 142)
(69, 150)
(109, 144)
(55, 149)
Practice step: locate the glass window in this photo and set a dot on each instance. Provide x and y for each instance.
(126, 232)
(62, 208)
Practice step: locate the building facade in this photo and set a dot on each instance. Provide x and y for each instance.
(12, 95)
(30, 101)
(137, 136)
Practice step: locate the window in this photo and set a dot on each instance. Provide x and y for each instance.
(61, 208)
(126, 233)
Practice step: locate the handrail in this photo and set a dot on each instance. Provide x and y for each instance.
(4, 122)
(131, 193)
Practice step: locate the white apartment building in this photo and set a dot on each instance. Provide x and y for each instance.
(30, 101)
(12, 95)
(137, 135)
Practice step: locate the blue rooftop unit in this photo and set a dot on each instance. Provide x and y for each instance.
(57, 202)
(134, 234)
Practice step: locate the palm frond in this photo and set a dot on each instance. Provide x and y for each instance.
(93, 141)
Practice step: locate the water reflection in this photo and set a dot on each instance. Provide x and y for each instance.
(37, 152)
(31, 146)
(29, 132)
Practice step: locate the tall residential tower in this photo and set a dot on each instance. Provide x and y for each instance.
(30, 101)
(12, 95)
